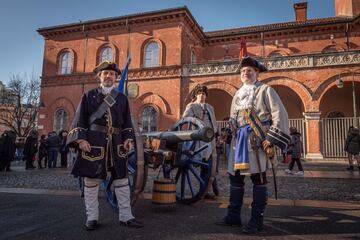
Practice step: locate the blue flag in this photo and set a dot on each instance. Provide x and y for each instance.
(122, 87)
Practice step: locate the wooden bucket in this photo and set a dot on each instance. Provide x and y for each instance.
(164, 192)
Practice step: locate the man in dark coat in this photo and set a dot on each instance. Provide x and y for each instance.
(30, 149)
(104, 142)
(295, 149)
(64, 149)
(7, 149)
(352, 147)
(42, 152)
(53, 143)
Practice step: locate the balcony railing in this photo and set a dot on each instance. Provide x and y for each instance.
(277, 63)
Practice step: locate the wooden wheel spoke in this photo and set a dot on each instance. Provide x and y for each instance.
(182, 193)
(190, 185)
(196, 162)
(197, 176)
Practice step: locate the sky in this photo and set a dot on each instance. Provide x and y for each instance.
(21, 47)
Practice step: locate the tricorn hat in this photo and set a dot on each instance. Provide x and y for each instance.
(200, 88)
(251, 62)
(107, 65)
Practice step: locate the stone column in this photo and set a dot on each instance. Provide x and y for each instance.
(313, 135)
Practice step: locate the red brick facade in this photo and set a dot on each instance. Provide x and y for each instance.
(305, 58)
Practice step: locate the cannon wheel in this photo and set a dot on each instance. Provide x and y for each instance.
(191, 185)
(137, 168)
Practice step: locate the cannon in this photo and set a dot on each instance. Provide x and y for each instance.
(175, 155)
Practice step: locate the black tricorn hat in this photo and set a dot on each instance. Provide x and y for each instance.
(200, 88)
(107, 65)
(251, 62)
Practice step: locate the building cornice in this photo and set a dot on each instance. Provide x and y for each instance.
(123, 22)
(140, 74)
(286, 29)
(337, 59)
(278, 30)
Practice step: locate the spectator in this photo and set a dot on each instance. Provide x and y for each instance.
(53, 143)
(7, 150)
(352, 147)
(20, 143)
(42, 152)
(295, 149)
(64, 149)
(30, 149)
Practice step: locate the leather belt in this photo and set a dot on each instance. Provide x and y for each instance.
(104, 129)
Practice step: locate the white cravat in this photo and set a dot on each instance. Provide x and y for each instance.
(246, 97)
(106, 90)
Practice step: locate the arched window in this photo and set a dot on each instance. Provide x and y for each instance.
(66, 62)
(329, 49)
(335, 114)
(151, 55)
(275, 54)
(60, 120)
(106, 54)
(148, 119)
(193, 57)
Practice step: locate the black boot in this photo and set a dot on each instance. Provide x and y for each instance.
(350, 168)
(91, 225)
(215, 187)
(233, 217)
(257, 210)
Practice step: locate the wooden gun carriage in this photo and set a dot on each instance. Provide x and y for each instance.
(174, 154)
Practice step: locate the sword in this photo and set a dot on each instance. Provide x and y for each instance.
(274, 176)
(253, 120)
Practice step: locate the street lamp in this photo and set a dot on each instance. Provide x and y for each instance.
(340, 84)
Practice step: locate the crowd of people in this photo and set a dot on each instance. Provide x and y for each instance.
(33, 151)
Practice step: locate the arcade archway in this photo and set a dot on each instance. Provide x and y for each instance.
(221, 101)
(291, 100)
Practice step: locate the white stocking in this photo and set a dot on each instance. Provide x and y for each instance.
(122, 192)
(91, 193)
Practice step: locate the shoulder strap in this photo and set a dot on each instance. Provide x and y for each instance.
(108, 102)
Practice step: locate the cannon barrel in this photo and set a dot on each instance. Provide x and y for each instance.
(205, 134)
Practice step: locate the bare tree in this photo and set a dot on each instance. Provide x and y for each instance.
(19, 104)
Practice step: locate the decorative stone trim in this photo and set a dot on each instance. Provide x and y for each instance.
(312, 115)
(157, 72)
(278, 63)
(68, 79)
(216, 68)
(337, 59)
(314, 156)
(289, 62)
(210, 68)
(134, 74)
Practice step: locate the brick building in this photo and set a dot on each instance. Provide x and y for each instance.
(171, 54)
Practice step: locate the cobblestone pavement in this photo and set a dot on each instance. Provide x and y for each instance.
(345, 189)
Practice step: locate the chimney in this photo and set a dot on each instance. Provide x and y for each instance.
(300, 11)
(347, 8)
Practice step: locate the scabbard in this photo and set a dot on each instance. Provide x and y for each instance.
(256, 149)
(274, 177)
